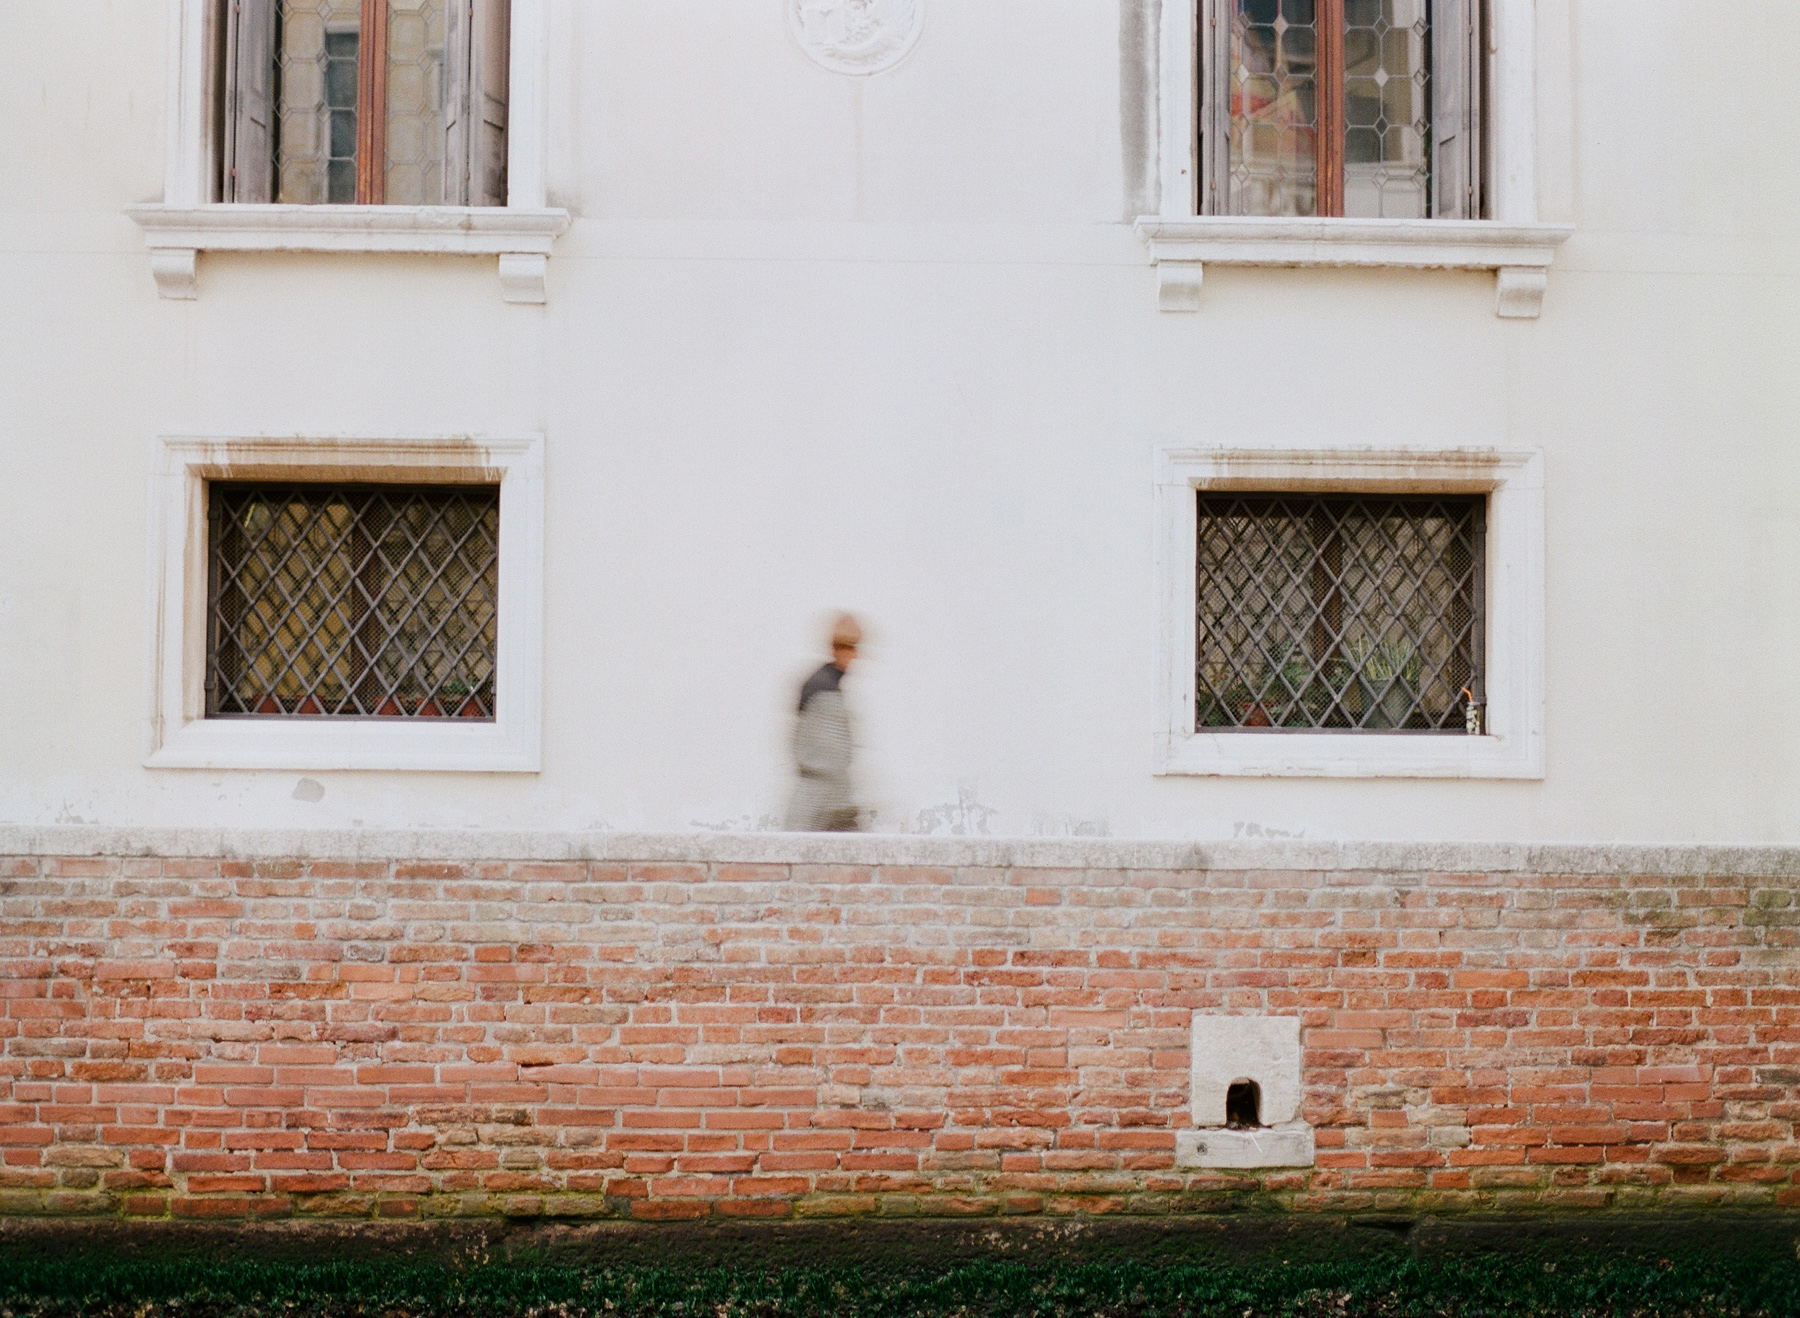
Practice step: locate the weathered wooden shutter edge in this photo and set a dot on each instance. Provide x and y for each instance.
(457, 82)
(1455, 98)
(489, 108)
(248, 169)
(1213, 90)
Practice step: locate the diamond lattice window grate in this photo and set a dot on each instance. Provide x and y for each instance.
(352, 602)
(1341, 613)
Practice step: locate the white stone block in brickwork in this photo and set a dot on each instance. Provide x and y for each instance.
(1289, 1145)
(1264, 1050)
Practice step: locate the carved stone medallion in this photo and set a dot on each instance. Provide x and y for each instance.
(857, 36)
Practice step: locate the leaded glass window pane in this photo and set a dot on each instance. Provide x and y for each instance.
(1274, 107)
(352, 601)
(1330, 107)
(317, 51)
(415, 103)
(1387, 110)
(1353, 613)
(324, 97)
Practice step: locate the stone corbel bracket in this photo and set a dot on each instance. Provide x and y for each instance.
(1520, 254)
(521, 238)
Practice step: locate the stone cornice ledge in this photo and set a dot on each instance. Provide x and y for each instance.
(521, 238)
(876, 849)
(1520, 254)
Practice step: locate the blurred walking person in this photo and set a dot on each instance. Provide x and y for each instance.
(823, 801)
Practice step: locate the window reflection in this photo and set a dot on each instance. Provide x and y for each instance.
(1281, 54)
(1387, 109)
(1274, 115)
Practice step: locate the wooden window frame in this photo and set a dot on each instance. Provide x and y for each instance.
(371, 105)
(1328, 125)
(478, 36)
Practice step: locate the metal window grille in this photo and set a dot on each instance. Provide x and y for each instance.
(352, 601)
(1353, 613)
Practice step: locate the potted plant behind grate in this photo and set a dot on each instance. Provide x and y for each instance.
(1213, 711)
(1267, 697)
(1333, 696)
(460, 699)
(1248, 701)
(1388, 674)
(1253, 708)
(1237, 706)
(1298, 688)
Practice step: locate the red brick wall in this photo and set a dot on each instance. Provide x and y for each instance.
(204, 1038)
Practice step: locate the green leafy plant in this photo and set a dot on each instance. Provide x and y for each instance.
(1387, 673)
(1379, 662)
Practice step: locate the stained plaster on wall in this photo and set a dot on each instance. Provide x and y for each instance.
(1139, 24)
(763, 823)
(964, 817)
(1050, 824)
(1244, 828)
(203, 799)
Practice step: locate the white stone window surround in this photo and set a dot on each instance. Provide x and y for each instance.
(177, 733)
(186, 222)
(1512, 746)
(1513, 242)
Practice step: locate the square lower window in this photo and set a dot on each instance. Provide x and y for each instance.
(343, 602)
(1347, 613)
(1350, 613)
(352, 601)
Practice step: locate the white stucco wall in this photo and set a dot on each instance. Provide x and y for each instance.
(888, 344)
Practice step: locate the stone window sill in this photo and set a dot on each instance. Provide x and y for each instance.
(1519, 254)
(1347, 755)
(521, 238)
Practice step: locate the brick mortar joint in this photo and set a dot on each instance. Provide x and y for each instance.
(1647, 859)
